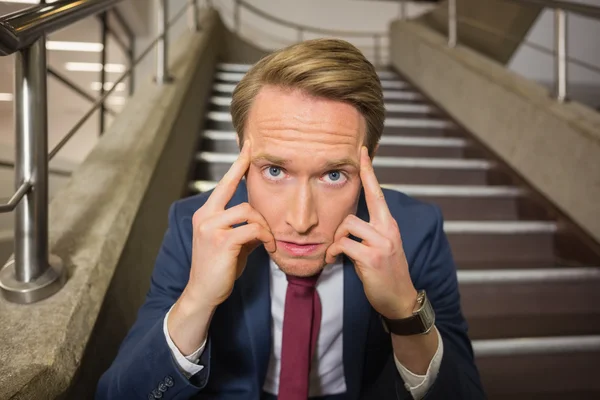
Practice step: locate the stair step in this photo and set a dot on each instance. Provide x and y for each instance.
(402, 95)
(383, 74)
(224, 87)
(410, 108)
(521, 245)
(518, 303)
(232, 67)
(394, 84)
(234, 77)
(539, 368)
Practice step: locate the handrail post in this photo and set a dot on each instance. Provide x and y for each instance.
(32, 274)
(300, 35)
(162, 47)
(560, 44)
(403, 15)
(104, 34)
(236, 16)
(195, 17)
(452, 24)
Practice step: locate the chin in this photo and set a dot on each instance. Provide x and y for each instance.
(299, 266)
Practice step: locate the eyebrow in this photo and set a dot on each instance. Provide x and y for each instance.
(332, 164)
(343, 162)
(271, 159)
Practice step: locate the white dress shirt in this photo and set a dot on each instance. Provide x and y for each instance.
(327, 369)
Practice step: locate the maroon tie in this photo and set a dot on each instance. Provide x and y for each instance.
(301, 323)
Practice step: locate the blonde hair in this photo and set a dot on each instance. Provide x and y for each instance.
(328, 68)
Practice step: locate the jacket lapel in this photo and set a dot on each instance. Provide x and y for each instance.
(255, 292)
(254, 287)
(357, 314)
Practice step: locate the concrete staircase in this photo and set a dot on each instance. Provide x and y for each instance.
(530, 287)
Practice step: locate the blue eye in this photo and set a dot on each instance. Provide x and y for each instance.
(274, 171)
(335, 178)
(334, 175)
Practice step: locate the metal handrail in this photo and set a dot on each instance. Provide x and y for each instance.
(302, 29)
(34, 274)
(21, 29)
(98, 103)
(561, 10)
(16, 198)
(543, 49)
(577, 8)
(74, 87)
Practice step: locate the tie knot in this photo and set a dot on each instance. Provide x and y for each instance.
(306, 281)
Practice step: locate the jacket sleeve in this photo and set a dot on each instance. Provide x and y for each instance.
(144, 367)
(435, 272)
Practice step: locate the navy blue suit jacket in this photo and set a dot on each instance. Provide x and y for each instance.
(239, 344)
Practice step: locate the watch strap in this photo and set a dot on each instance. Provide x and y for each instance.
(413, 325)
(420, 322)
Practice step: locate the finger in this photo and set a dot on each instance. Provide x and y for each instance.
(353, 249)
(239, 214)
(246, 234)
(378, 209)
(352, 225)
(229, 183)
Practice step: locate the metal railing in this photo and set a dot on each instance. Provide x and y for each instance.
(560, 51)
(33, 274)
(302, 30)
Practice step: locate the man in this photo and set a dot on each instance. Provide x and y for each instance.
(296, 282)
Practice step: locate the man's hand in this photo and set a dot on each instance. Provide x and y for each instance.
(379, 259)
(219, 252)
(381, 265)
(219, 255)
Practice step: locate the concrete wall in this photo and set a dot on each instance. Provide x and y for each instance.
(106, 224)
(555, 147)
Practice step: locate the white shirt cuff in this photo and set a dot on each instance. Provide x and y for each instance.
(418, 385)
(188, 365)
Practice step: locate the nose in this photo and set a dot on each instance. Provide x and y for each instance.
(302, 210)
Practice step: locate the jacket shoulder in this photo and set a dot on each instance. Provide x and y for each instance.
(405, 209)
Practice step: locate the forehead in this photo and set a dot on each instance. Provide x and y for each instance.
(292, 118)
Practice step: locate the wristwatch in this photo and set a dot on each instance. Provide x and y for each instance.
(420, 322)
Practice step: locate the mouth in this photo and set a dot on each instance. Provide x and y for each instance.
(298, 249)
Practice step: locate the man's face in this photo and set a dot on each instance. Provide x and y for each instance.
(304, 175)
